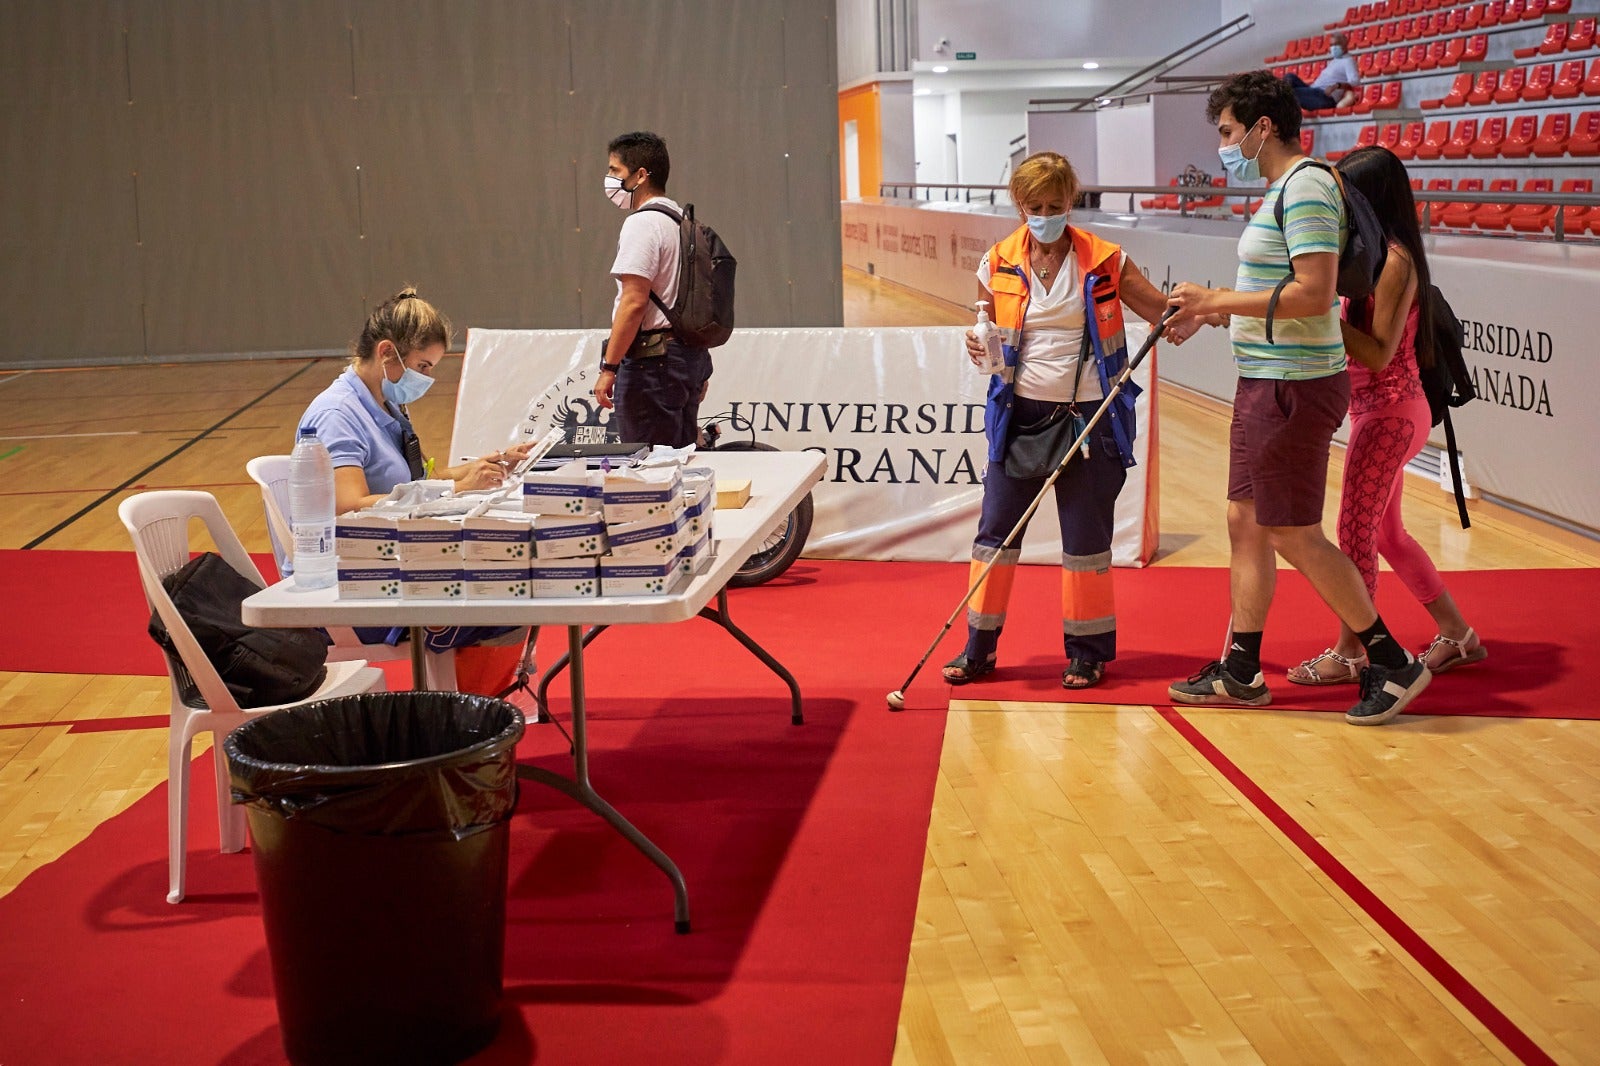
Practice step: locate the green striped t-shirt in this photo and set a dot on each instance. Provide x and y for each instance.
(1313, 221)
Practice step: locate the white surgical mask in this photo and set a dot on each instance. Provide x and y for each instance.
(620, 194)
(1239, 167)
(1047, 229)
(408, 389)
(1336, 51)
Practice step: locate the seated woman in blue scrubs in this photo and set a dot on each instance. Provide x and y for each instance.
(363, 422)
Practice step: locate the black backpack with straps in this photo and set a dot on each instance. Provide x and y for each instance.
(702, 315)
(1448, 382)
(1365, 248)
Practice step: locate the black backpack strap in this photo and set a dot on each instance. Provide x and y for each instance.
(1455, 469)
(1277, 216)
(676, 217)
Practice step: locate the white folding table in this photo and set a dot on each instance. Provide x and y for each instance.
(778, 482)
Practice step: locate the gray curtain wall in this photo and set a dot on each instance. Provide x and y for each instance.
(186, 179)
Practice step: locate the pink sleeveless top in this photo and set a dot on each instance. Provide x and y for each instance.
(1394, 384)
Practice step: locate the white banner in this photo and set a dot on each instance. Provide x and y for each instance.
(1532, 438)
(897, 412)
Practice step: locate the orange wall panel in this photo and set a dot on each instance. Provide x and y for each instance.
(861, 105)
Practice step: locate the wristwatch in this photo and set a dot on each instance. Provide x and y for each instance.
(605, 366)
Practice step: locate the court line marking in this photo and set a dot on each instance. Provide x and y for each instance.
(1478, 1005)
(57, 436)
(9, 378)
(98, 725)
(64, 523)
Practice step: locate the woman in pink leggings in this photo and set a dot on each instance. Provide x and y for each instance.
(1389, 423)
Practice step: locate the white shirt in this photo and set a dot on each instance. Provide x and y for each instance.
(1052, 337)
(647, 247)
(1341, 71)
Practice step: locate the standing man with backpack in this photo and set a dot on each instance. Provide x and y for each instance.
(653, 380)
(1292, 395)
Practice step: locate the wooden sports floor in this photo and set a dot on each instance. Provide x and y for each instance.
(1101, 884)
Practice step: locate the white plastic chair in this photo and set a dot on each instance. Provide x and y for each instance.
(159, 523)
(271, 474)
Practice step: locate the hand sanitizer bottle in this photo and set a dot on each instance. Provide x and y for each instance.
(989, 338)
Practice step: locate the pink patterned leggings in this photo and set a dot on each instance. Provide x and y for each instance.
(1381, 443)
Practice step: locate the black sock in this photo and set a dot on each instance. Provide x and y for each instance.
(1244, 656)
(1382, 649)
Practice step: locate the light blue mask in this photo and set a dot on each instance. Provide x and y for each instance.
(408, 389)
(1240, 168)
(1336, 51)
(1047, 229)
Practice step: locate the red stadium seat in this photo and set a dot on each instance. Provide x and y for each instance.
(1558, 7)
(1484, 87)
(1530, 218)
(1415, 58)
(1569, 82)
(1477, 48)
(1581, 39)
(1397, 60)
(1389, 136)
(1158, 203)
(1591, 84)
(1533, 10)
(1389, 99)
(1521, 134)
(1461, 141)
(1553, 135)
(1366, 139)
(1585, 139)
(1492, 134)
(1496, 12)
(1410, 140)
(1369, 100)
(1433, 144)
(1434, 56)
(1555, 39)
(1474, 17)
(1435, 185)
(1575, 219)
(1540, 79)
(1454, 49)
(1513, 12)
(1458, 92)
(1458, 215)
(1496, 216)
(1308, 140)
(1511, 84)
(1211, 201)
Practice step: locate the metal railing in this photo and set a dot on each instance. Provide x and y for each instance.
(1128, 86)
(1186, 194)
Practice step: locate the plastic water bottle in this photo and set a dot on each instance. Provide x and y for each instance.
(311, 512)
(988, 336)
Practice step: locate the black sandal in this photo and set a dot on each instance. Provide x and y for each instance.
(1085, 672)
(970, 671)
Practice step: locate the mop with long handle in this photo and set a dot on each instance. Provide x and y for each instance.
(897, 698)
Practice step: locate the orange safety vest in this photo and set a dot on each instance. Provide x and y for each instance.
(1102, 301)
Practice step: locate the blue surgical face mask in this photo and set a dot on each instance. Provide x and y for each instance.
(408, 389)
(1239, 168)
(1047, 229)
(1337, 51)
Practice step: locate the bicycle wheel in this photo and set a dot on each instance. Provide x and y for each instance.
(784, 544)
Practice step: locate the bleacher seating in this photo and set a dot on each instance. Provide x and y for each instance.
(1490, 136)
(1458, 214)
(1520, 135)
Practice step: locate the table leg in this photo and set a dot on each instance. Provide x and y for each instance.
(579, 788)
(419, 659)
(719, 615)
(541, 705)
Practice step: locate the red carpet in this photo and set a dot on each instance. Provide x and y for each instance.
(798, 952)
(1537, 625)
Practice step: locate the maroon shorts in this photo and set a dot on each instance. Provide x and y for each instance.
(1278, 445)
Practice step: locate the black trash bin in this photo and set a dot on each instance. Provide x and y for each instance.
(380, 829)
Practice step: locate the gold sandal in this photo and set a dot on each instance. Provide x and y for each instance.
(1348, 671)
(1469, 649)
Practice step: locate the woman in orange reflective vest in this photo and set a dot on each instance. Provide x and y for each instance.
(1057, 293)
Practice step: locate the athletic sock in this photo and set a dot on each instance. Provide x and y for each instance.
(1382, 648)
(1244, 656)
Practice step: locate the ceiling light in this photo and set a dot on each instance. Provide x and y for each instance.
(941, 69)
(1091, 65)
(922, 92)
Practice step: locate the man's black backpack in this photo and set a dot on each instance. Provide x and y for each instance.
(1365, 248)
(702, 315)
(261, 667)
(1448, 382)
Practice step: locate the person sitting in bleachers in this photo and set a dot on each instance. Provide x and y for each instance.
(1336, 86)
